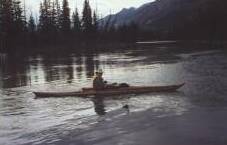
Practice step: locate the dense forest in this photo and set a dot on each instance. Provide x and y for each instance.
(56, 27)
(59, 29)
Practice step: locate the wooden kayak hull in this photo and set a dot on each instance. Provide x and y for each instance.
(109, 92)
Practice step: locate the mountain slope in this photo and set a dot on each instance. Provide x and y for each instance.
(202, 18)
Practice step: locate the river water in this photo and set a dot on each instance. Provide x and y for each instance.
(193, 115)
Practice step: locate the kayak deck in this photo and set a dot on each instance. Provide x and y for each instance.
(108, 92)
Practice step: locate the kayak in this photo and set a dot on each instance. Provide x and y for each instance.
(85, 92)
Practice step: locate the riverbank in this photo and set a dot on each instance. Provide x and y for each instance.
(94, 47)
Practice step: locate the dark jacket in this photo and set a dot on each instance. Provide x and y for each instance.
(98, 83)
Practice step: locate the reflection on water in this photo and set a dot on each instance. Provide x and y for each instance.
(99, 105)
(27, 71)
(18, 71)
(25, 120)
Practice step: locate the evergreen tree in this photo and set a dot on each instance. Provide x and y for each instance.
(87, 18)
(42, 18)
(1, 30)
(19, 23)
(31, 24)
(95, 22)
(32, 39)
(49, 20)
(53, 18)
(1, 6)
(76, 22)
(65, 17)
(46, 21)
(7, 17)
(58, 15)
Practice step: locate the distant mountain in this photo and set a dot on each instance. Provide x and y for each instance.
(168, 17)
(123, 17)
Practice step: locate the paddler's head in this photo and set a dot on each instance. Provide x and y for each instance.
(99, 73)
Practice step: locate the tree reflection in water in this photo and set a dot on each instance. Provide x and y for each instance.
(18, 71)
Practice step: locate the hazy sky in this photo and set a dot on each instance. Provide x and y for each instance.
(104, 6)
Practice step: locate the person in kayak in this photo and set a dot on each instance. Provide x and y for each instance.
(98, 82)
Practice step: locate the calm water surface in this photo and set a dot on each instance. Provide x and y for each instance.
(72, 120)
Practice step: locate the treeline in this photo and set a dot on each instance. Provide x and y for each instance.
(12, 23)
(56, 26)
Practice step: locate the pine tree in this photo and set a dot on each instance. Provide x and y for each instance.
(58, 15)
(48, 9)
(53, 18)
(41, 17)
(95, 22)
(87, 18)
(31, 24)
(1, 30)
(76, 22)
(32, 39)
(1, 6)
(19, 23)
(45, 18)
(65, 17)
(7, 17)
